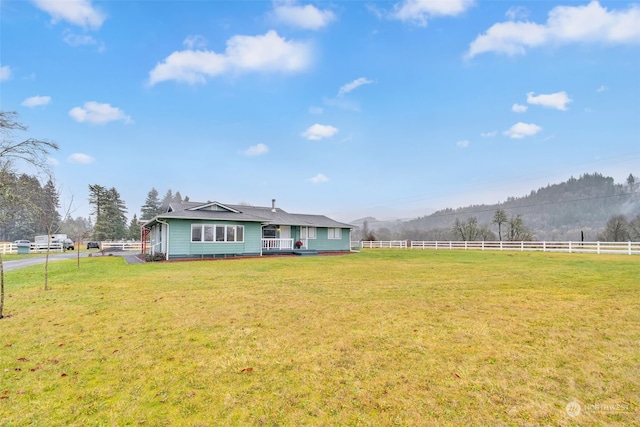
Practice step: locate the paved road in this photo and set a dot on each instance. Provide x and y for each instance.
(26, 262)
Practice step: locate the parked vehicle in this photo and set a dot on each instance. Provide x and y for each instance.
(93, 245)
(54, 241)
(22, 242)
(68, 244)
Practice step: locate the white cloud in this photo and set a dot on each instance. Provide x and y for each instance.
(463, 144)
(318, 132)
(316, 110)
(76, 12)
(268, 52)
(5, 73)
(76, 40)
(521, 130)
(308, 17)
(590, 23)
(80, 158)
(93, 112)
(256, 150)
(519, 108)
(319, 178)
(489, 134)
(602, 89)
(354, 85)
(51, 161)
(195, 42)
(418, 11)
(517, 12)
(36, 101)
(558, 100)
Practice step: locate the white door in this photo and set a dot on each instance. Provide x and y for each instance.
(285, 231)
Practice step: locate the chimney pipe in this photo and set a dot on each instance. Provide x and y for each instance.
(273, 205)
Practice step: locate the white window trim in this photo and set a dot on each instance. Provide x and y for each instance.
(334, 233)
(305, 233)
(215, 226)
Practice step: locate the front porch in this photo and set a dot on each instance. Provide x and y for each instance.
(275, 246)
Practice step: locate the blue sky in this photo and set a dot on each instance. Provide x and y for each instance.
(342, 108)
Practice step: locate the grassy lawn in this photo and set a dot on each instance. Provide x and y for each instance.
(383, 337)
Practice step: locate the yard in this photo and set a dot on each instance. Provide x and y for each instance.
(382, 337)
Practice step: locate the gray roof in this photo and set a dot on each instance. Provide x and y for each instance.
(266, 215)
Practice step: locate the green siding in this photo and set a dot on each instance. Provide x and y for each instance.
(323, 243)
(180, 244)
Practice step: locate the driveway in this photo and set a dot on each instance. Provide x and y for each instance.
(131, 258)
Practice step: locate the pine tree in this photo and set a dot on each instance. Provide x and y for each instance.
(152, 206)
(134, 228)
(109, 211)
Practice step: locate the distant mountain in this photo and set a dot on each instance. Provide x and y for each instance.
(556, 212)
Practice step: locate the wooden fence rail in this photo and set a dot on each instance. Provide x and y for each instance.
(630, 248)
(12, 248)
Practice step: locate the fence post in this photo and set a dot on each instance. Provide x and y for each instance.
(598, 245)
(629, 247)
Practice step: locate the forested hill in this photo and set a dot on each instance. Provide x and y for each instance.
(556, 212)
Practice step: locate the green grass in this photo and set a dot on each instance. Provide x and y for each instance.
(383, 337)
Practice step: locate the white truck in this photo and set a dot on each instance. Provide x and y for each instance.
(55, 241)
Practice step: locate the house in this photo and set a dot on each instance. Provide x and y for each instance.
(216, 230)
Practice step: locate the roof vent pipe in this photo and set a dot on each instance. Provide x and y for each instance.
(273, 205)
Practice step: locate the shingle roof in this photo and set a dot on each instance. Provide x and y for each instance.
(190, 210)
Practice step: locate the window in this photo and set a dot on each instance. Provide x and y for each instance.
(208, 233)
(335, 233)
(201, 233)
(269, 231)
(307, 232)
(217, 233)
(196, 233)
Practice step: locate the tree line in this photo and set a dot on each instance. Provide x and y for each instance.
(572, 210)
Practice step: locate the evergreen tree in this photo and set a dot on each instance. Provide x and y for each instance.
(177, 198)
(49, 204)
(152, 206)
(631, 182)
(134, 228)
(109, 211)
(168, 199)
(98, 198)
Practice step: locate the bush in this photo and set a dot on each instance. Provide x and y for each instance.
(158, 256)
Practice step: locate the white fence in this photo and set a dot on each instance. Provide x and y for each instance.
(122, 246)
(12, 248)
(390, 244)
(630, 248)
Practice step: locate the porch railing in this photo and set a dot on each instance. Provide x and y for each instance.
(277, 244)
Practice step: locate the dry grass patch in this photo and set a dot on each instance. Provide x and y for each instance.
(384, 337)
